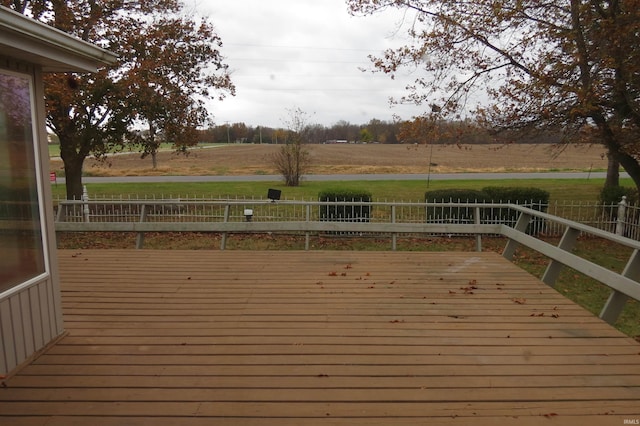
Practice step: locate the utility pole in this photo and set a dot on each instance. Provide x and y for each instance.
(228, 138)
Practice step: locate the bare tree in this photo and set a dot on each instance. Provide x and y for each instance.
(292, 159)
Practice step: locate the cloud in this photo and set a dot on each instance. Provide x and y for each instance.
(307, 54)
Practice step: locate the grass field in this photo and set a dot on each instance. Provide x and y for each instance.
(251, 159)
(391, 190)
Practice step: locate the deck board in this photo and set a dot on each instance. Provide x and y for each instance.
(335, 338)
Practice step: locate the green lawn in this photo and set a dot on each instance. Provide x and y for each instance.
(391, 190)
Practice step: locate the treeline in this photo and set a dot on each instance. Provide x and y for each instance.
(374, 131)
(378, 131)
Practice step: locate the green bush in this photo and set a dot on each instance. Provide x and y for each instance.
(453, 214)
(614, 194)
(610, 197)
(455, 196)
(534, 198)
(343, 194)
(343, 212)
(521, 196)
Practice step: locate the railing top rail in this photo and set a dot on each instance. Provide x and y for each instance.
(579, 226)
(232, 202)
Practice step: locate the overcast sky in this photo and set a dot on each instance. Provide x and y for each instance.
(305, 54)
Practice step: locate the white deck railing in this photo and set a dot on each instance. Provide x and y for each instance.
(520, 225)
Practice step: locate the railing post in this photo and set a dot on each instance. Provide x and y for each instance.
(476, 220)
(622, 214)
(394, 236)
(61, 214)
(308, 219)
(614, 305)
(567, 243)
(521, 226)
(85, 199)
(223, 242)
(143, 218)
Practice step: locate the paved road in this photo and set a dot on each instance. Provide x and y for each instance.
(345, 177)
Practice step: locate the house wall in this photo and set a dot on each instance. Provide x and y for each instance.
(31, 317)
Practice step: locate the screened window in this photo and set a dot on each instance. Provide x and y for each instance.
(21, 243)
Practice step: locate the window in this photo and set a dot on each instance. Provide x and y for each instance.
(21, 241)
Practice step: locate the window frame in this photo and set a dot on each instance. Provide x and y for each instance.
(36, 146)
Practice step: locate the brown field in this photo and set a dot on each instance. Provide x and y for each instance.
(360, 159)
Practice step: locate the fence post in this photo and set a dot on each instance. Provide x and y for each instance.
(85, 199)
(394, 237)
(614, 305)
(521, 226)
(223, 242)
(61, 213)
(140, 236)
(622, 214)
(308, 219)
(567, 243)
(476, 220)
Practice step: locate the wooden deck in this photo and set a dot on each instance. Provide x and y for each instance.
(337, 338)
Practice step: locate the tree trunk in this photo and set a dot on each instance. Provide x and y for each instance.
(615, 153)
(631, 166)
(73, 179)
(73, 162)
(613, 171)
(153, 146)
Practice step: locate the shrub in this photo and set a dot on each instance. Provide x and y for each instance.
(613, 195)
(453, 214)
(610, 197)
(343, 212)
(534, 198)
(523, 196)
(455, 196)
